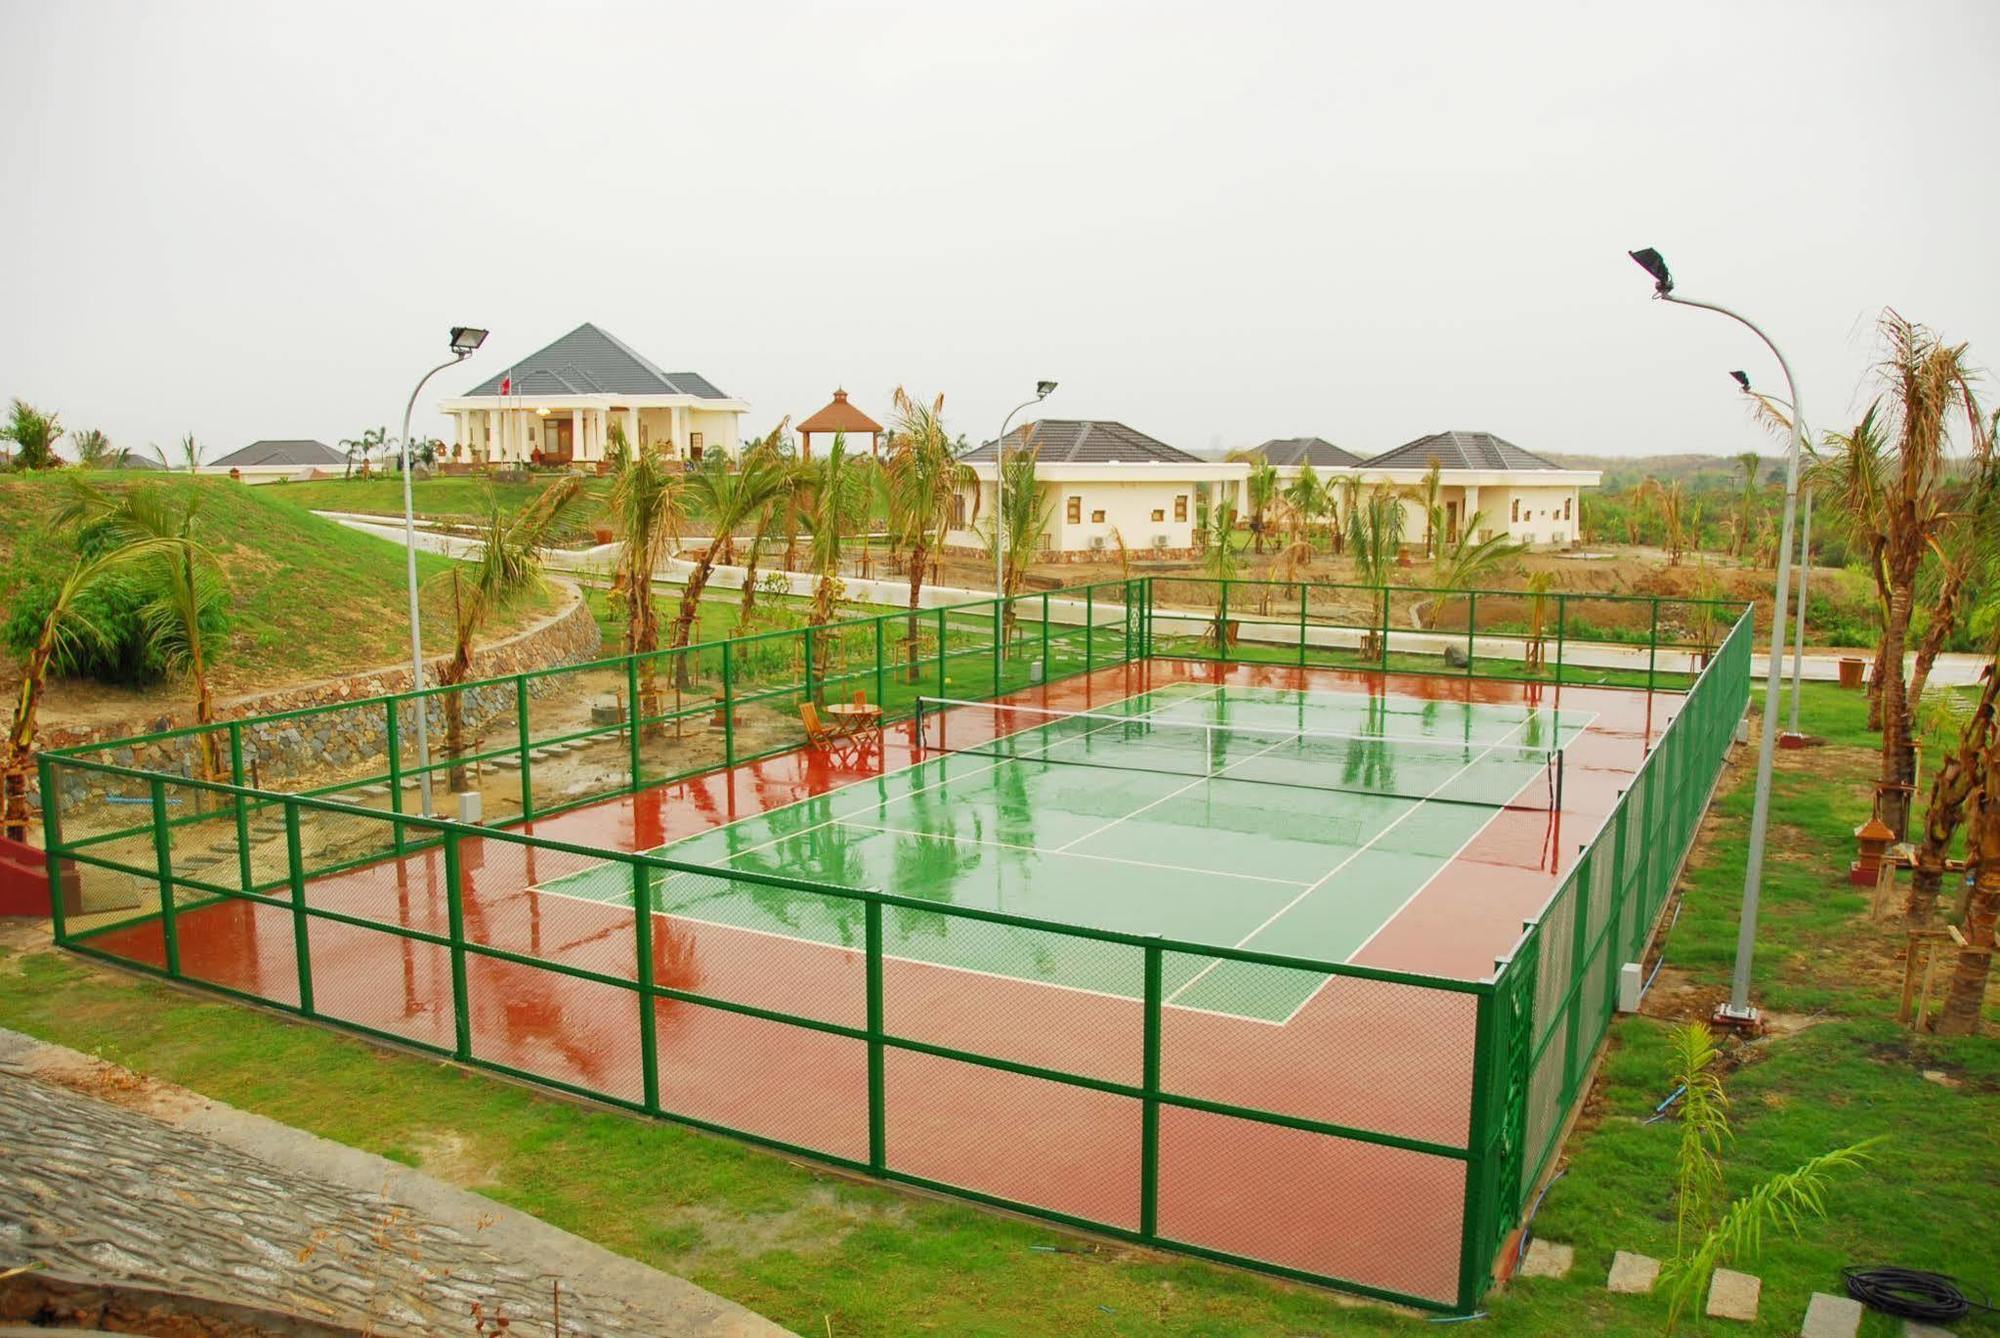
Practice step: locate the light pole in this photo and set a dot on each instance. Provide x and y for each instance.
(465, 341)
(1792, 737)
(1738, 1011)
(1043, 389)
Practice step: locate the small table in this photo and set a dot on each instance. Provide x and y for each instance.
(855, 719)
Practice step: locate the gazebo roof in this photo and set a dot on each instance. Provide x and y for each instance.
(839, 416)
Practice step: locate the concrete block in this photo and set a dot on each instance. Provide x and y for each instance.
(1733, 1295)
(1547, 1259)
(1912, 1329)
(1631, 984)
(1831, 1317)
(1633, 1274)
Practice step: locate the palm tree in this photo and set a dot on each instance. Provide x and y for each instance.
(1350, 493)
(1965, 995)
(190, 452)
(1026, 521)
(1928, 383)
(1464, 562)
(1966, 543)
(507, 564)
(189, 596)
(767, 454)
(1429, 497)
(1851, 477)
(1672, 500)
(65, 629)
(34, 435)
(836, 499)
(646, 500)
(1260, 489)
(926, 482)
(1308, 497)
(1220, 563)
(1746, 505)
(364, 447)
(93, 449)
(1539, 585)
(1375, 532)
(1952, 787)
(729, 499)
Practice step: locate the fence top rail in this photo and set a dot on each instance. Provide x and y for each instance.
(1730, 605)
(1741, 627)
(448, 826)
(664, 652)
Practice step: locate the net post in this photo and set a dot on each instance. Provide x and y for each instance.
(878, 1125)
(242, 804)
(52, 845)
(1149, 1101)
(642, 939)
(295, 872)
(1561, 754)
(393, 732)
(632, 714)
(1562, 617)
(728, 706)
(454, 900)
(1653, 645)
(1471, 627)
(521, 739)
(163, 867)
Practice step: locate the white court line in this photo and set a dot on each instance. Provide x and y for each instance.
(1199, 780)
(1069, 854)
(1358, 852)
(911, 961)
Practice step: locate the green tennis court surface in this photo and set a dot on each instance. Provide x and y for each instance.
(1283, 821)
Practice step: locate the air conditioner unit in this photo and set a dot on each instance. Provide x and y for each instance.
(1097, 544)
(1159, 541)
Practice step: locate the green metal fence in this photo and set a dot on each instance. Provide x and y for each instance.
(1640, 641)
(1386, 1149)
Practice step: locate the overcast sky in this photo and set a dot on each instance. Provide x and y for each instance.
(1218, 223)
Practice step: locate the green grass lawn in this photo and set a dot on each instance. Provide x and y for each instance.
(823, 1254)
(452, 497)
(308, 598)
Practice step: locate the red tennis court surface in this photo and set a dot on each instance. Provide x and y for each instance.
(1386, 1057)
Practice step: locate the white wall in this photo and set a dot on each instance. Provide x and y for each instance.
(1126, 505)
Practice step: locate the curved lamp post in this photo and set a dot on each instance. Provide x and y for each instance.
(1043, 389)
(1792, 737)
(465, 341)
(1738, 1011)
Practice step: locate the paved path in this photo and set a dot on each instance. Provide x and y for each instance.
(159, 1187)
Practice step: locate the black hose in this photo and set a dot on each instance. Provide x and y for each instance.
(1910, 1293)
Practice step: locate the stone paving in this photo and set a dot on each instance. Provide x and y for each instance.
(95, 1190)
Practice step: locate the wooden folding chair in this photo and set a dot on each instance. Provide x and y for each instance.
(833, 740)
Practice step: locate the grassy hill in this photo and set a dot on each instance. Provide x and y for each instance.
(308, 598)
(1694, 471)
(454, 497)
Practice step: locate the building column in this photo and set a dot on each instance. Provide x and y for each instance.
(575, 433)
(494, 450)
(632, 429)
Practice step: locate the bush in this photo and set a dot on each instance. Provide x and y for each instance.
(123, 654)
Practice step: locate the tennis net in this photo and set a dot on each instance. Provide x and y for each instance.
(1485, 774)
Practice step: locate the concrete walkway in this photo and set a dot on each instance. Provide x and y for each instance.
(111, 1177)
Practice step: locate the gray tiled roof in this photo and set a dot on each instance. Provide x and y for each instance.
(590, 361)
(1460, 450)
(291, 454)
(1084, 441)
(1315, 451)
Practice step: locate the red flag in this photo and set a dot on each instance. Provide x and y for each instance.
(506, 385)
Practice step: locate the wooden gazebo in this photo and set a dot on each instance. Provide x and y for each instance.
(839, 416)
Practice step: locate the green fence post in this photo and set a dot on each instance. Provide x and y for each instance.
(52, 844)
(454, 900)
(1222, 622)
(632, 714)
(1562, 616)
(728, 707)
(295, 872)
(521, 733)
(1471, 628)
(944, 678)
(1091, 631)
(878, 1123)
(999, 641)
(808, 680)
(393, 732)
(1149, 1103)
(1653, 644)
(1474, 1263)
(242, 804)
(642, 936)
(1045, 637)
(1385, 629)
(163, 865)
(1578, 949)
(1302, 624)
(881, 664)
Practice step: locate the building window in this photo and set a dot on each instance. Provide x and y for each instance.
(1074, 515)
(1097, 517)
(1517, 510)
(958, 511)
(1567, 503)
(1180, 507)
(694, 444)
(1159, 513)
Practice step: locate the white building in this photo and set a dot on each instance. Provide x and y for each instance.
(1512, 491)
(271, 460)
(557, 407)
(1100, 483)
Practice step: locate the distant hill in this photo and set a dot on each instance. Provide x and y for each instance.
(1695, 471)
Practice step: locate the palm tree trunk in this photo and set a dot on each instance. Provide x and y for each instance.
(21, 740)
(1965, 996)
(919, 555)
(749, 601)
(1898, 758)
(1944, 616)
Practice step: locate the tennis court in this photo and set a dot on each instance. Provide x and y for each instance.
(1289, 821)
